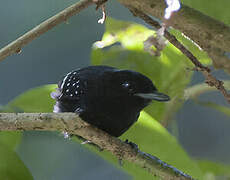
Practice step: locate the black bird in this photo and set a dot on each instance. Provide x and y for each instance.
(106, 97)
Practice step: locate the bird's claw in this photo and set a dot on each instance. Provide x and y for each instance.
(86, 142)
(133, 145)
(120, 162)
(92, 144)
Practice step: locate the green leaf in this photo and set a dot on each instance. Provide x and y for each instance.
(10, 139)
(34, 100)
(122, 47)
(168, 71)
(11, 167)
(198, 89)
(215, 9)
(215, 168)
(223, 109)
(147, 133)
(131, 35)
(153, 138)
(201, 55)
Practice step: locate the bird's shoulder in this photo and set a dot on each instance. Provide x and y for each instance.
(81, 82)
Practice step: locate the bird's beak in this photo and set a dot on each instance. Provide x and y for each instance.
(154, 96)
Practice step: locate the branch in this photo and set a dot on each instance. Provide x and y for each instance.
(196, 90)
(211, 35)
(16, 46)
(72, 124)
(210, 79)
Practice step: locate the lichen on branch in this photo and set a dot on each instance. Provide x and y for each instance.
(71, 123)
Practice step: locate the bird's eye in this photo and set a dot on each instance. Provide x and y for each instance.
(127, 86)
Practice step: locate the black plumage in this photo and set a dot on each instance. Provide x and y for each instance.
(106, 97)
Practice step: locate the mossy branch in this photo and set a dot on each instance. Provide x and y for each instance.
(18, 44)
(211, 35)
(71, 123)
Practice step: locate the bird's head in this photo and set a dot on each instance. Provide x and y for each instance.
(132, 87)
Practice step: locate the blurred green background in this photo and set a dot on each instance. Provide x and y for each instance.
(190, 133)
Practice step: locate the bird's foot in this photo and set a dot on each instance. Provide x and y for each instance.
(66, 135)
(120, 162)
(133, 145)
(86, 142)
(92, 144)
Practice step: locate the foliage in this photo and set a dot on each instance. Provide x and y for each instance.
(223, 109)
(35, 100)
(214, 168)
(129, 54)
(122, 47)
(11, 166)
(212, 8)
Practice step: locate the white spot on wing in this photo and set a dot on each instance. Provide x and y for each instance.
(63, 82)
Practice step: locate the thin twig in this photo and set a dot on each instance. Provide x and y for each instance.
(102, 20)
(18, 44)
(210, 80)
(172, 39)
(71, 123)
(210, 34)
(99, 3)
(194, 91)
(213, 82)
